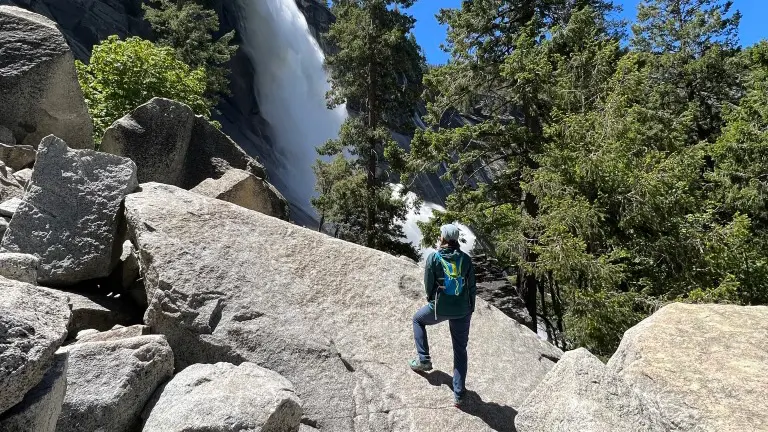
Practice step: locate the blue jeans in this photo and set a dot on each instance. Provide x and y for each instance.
(459, 336)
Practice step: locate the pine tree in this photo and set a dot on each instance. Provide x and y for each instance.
(502, 74)
(613, 180)
(377, 72)
(189, 28)
(692, 45)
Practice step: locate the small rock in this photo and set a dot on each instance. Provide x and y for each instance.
(17, 157)
(246, 190)
(6, 136)
(8, 208)
(213, 397)
(74, 242)
(23, 176)
(156, 137)
(20, 267)
(108, 383)
(40, 92)
(9, 187)
(114, 334)
(40, 409)
(33, 324)
(85, 333)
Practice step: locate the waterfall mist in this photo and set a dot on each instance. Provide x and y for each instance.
(291, 83)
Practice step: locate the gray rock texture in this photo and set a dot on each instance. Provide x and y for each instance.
(4, 225)
(171, 145)
(9, 186)
(155, 136)
(23, 176)
(228, 284)
(98, 312)
(17, 157)
(213, 152)
(86, 23)
(33, 324)
(223, 397)
(70, 214)
(85, 333)
(114, 334)
(108, 383)
(39, 92)
(706, 365)
(6, 136)
(40, 409)
(246, 190)
(20, 267)
(580, 395)
(8, 208)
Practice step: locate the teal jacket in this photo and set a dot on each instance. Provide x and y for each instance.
(448, 305)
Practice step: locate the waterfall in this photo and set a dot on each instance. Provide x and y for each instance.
(291, 84)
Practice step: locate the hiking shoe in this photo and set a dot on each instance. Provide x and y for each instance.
(420, 366)
(458, 401)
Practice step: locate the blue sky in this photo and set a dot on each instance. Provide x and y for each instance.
(430, 34)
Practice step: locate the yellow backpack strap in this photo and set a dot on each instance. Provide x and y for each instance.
(448, 267)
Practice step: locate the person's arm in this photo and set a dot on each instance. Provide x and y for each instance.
(429, 276)
(471, 285)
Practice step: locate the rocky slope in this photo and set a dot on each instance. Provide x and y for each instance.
(342, 340)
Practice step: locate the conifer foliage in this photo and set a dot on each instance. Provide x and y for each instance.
(190, 29)
(623, 176)
(377, 72)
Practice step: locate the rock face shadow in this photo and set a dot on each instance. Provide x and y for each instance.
(498, 417)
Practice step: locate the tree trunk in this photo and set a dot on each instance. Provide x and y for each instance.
(545, 315)
(370, 211)
(531, 283)
(530, 286)
(557, 306)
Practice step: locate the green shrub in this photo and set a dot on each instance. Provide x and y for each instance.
(125, 74)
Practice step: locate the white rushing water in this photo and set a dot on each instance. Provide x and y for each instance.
(425, 212)
(291, 84)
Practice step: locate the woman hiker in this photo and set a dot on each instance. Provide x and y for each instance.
(449, 279)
